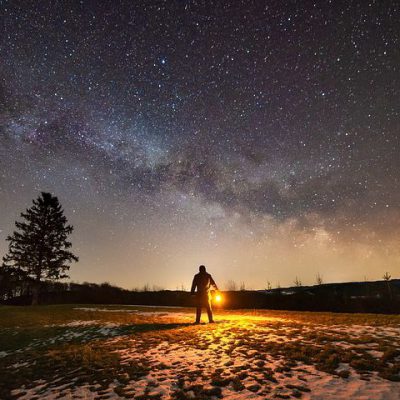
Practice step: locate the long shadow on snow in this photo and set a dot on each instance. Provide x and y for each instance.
(50, 336)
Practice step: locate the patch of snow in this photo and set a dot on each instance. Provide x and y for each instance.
(325, 386)
(104, 309)
(76, 323)
(138, 305)
(375, 353)
(53, 393)
(20, 365)
(3, 354)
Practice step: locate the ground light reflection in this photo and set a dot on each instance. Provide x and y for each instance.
(157, 353)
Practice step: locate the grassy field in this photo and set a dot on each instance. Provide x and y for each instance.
(86, 351)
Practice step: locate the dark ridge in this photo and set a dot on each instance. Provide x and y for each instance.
(360, 297)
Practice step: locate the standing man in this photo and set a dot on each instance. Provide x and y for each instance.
(203, 282)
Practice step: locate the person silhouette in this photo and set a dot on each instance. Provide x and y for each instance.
(203, 282)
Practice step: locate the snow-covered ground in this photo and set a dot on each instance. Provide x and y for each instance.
(161, 355)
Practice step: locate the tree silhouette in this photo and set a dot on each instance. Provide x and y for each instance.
(39, 248)
(12, 282)
(386, 278)
(231, 285)
(297, 282)
(319, 279)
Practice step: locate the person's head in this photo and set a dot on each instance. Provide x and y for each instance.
(202, 268)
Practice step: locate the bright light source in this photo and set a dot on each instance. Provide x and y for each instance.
(218, 298)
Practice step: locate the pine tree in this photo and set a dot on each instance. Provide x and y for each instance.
(40, 249)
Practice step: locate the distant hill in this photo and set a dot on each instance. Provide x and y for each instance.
(365, 297)
(378, 289)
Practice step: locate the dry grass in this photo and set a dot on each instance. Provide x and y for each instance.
(40, 345)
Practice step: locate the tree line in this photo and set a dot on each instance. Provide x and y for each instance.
(39, 255)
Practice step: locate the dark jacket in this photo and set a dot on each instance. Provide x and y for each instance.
(203, 281)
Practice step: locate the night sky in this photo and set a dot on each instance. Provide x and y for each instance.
(260, 138)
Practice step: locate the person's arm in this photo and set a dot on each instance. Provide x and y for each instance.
(194, 284)
(213, 283)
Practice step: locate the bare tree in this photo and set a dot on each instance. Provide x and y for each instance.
(278, 288)
(146, 288)
(269, 286)
(319, 279)
(242, 286)
(297, 282)
(387, 277)
(231, 285)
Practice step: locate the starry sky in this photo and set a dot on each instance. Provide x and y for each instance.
(260, 138)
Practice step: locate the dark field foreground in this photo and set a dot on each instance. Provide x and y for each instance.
(77, 351)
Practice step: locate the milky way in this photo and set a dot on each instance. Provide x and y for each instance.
(259, 138)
